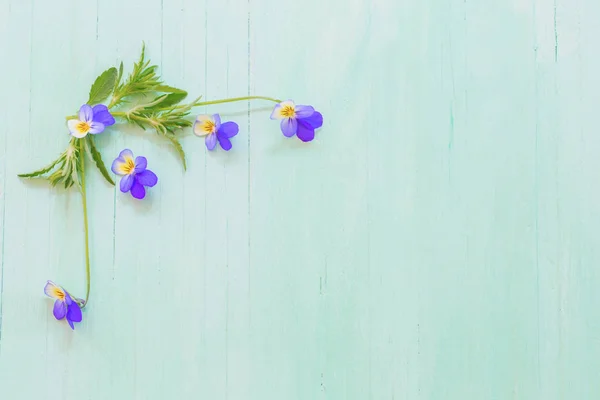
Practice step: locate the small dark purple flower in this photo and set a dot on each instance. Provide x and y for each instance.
(134, 174)
(65, 305)
(91, 120)
(297, 120)
(211, 127)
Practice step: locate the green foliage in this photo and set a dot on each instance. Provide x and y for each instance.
(103, 86)
(141, 80)
(165, 117)
(164, 113)
(65, 169)
(42, 171)
(170, 99)
(178, 148)
(98, 159)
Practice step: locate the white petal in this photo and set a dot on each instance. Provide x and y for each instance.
(72, 124)
(203, 124)
(276, 114)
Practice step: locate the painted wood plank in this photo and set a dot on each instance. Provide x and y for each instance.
(436, 241)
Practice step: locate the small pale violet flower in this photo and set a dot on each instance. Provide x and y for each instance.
(212, 129)
(91, 120)
(134, 174)
(297, 120)
(65, 305)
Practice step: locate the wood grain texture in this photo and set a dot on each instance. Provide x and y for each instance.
(436, 241)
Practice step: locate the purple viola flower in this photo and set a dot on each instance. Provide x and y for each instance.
(297, 120)
(211, 127)
(134, 174)
(91, 120)
(65, 305)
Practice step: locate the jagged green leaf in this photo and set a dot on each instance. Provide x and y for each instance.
(103, 86)
(179, 149)
(97, 157)
(169, 89)
(41, 171)
(168, 100)
(119, 76)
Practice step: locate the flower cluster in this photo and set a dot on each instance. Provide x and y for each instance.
(141, 98)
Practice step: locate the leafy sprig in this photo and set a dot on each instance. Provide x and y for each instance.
(152, 105)
(142, 80)
(65, 169)
(164, 113)
(165, 116)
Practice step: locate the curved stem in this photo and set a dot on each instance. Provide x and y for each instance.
(85, 223)
(202, 103)
(232, 99)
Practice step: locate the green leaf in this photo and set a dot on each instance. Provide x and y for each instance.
(169, 100)
(98, 160)
(55, 177)
(179, 149)
(169, 89)
(119, 76)
(103, 86)
(41, 171)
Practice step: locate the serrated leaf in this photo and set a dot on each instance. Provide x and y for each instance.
(169, 100)
(55, 177)
(169, 89)
(119, 76)
(179, 149)
(103, 86)
(40, 171)
(97, 157)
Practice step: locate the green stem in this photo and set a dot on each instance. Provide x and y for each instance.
(85, 223)
(202, 103)
(232, 99)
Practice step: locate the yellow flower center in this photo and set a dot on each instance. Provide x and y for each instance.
(59, 294)
(129, 166)
(288, 111)
(83, 127)
(209, 126)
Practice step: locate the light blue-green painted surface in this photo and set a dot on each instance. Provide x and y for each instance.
(438, 240)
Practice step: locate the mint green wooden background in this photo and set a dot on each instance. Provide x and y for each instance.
(438, 240)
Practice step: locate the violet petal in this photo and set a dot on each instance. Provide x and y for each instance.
(224, 141)
(86, 114)
(146, 178)
(74, 313)
(229, 129)
(211, 141)
(137, 190)
(140, 164)
(96, 127)
(315, 120)
(306, 133)
(304, 111)
(127, 182)
(289, 126)
(217, 119)
(60, 309)
(102, 115)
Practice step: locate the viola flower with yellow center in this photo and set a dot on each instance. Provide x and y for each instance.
(297, 120)
(65, 305)
(134, 174)
(212, 129)
(91, 120)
